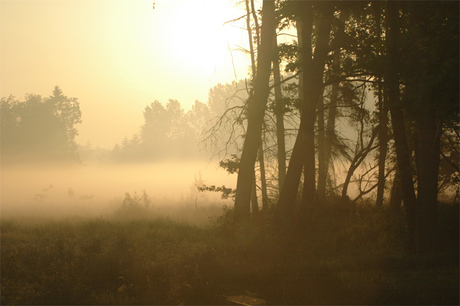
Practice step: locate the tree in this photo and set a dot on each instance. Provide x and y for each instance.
(279, 110)
(40, 130)
(431, 94)
(313, 69)
(255, 114)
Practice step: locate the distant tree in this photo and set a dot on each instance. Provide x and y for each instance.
(168, 132)
(40, 129)
(226, 104)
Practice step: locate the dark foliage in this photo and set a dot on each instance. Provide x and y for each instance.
(353, 255)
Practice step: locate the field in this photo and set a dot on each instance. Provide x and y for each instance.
(340, 256)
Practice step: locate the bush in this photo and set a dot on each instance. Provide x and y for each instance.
(134, 207)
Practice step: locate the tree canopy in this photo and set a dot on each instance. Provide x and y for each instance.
(39, 129)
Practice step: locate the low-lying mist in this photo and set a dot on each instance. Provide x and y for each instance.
(100, 189)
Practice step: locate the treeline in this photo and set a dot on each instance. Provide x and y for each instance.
(404, 53)
(170, 132)
(43, 130)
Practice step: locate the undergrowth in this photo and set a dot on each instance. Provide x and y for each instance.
(340, 256)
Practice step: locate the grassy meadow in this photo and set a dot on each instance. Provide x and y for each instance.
(340, 256)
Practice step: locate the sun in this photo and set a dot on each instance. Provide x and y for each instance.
(186, 42)
(199, 37)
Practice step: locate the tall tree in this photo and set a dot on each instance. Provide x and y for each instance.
(255, 113)
(432, 89)
(397, 121)
(382, 106)
(279, 113)
(313, 69)
(325, 142)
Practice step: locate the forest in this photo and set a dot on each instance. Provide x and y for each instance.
(344, 144)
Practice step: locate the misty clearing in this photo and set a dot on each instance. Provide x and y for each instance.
(229, 152)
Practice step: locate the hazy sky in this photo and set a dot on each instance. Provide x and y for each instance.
(117, 56)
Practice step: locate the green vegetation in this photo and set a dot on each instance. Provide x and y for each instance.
(354, 255)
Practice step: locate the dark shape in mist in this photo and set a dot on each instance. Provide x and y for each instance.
(39, 129)
(169, 132)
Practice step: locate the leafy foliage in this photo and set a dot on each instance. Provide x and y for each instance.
(39, 129)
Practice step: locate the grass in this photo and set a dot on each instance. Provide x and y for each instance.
(339, 257)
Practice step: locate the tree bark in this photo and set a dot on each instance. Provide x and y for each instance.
(288, 194)
(279, 113)
(254, 202)
(383, 119)
(397, 121)
(255, 115)
(396, 195)
(263, 180)
(427, 152)
(323, 165)
(383, 144)
(304, 147)
(313, 88)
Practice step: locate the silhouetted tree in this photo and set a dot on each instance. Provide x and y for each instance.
(255, 113)
(40, 129)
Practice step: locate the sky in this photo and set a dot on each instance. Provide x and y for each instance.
(118, 56)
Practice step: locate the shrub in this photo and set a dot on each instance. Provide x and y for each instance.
(134, 206)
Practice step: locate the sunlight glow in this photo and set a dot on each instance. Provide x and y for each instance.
(119, 56)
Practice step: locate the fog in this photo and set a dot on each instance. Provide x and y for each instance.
(118, 56)
(99, 189)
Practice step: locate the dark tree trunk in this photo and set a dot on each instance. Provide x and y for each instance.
(428, 127)
(254, 202)
(383, 144)
(383, 117)
(263, 180)
(313, 87)
(427, 152)
(288, 193)
(396, 195)
(397, 120)
(255, 115)
(323, 166)
(279, 113)
(304, 148)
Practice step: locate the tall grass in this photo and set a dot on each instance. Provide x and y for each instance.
(352, 256)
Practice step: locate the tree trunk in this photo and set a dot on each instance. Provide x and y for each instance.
(263, 180)
(255, 114)
(251, 45)
(288, 193)
(304, 147)
(323, 167)
(396, 195)
(383, 144)
(254, 202)
(279, 113)
(383, 117)
(427, 152)
(313, 88)
(397, 121)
